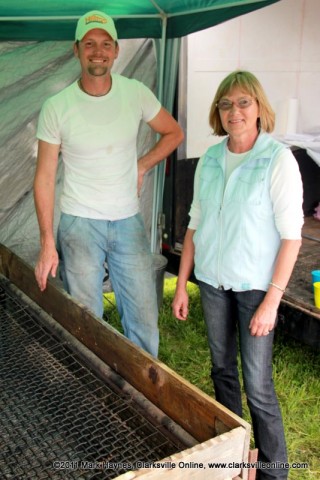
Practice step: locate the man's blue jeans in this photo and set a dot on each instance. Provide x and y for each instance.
(85, 245)
(227, 315)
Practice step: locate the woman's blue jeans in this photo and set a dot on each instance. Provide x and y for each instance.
(85, 245)
(227, 315)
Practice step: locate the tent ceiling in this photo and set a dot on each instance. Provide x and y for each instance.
(23, 20)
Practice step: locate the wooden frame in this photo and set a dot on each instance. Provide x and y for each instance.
(223, 436)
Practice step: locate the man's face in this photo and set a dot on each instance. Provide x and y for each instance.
(96, 52)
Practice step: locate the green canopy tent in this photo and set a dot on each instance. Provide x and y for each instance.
(166, 21)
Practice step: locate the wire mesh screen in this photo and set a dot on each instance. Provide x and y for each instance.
(57, 418)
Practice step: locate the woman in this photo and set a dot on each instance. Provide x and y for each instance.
(243, 240)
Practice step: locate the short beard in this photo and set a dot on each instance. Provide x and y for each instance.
(98, 71)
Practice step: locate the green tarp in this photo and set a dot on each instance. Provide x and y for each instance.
(55, 19)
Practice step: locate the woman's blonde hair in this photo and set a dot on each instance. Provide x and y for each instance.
(249, 84)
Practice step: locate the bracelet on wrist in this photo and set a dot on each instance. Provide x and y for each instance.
(277, 286)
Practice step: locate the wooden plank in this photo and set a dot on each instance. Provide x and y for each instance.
(193, 463)
(299, 292)
(301, 307)
(253, 458)
(192, 409)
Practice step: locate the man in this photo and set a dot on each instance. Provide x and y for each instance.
(94, 123)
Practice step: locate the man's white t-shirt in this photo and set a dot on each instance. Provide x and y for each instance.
(98, 138)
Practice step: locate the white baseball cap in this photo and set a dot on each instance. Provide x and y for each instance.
(95, 19)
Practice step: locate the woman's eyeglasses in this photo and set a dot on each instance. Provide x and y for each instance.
(225, 104)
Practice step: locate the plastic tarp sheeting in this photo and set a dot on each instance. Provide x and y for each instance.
(308, 142)
(31, 72)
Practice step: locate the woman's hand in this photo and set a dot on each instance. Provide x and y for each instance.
(180, 304)
(264, 319)
(181, 299)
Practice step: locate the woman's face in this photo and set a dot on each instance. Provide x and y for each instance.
(239, 113)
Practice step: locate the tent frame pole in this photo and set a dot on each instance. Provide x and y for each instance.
(157, 188)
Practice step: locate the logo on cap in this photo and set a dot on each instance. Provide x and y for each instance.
(95, 19)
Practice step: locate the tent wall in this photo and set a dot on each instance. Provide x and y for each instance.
(50, 66)
(280, 44)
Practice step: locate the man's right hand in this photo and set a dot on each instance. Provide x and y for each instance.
(47, 263)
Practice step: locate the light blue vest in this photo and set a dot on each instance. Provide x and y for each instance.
(237, 242)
